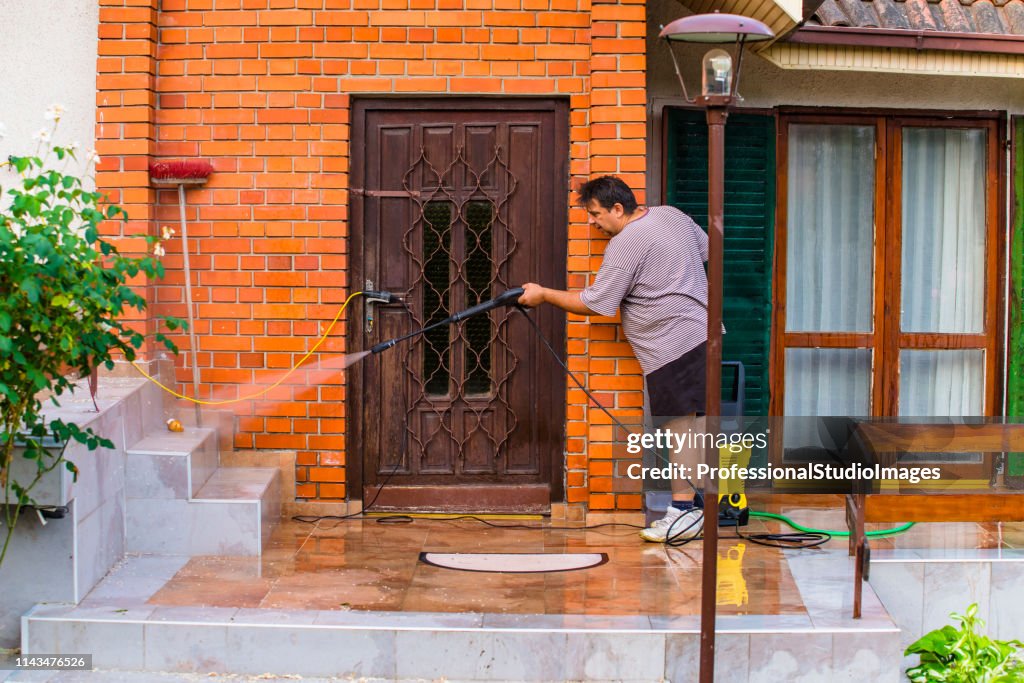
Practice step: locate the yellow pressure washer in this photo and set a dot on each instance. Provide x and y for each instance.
(732, 501)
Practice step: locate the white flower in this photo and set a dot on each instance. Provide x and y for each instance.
(3, 131)
(74, 146)
(92, 157)
(54, 112)
(42, 136)
(37, 259)
(167, 233)
(158, 251)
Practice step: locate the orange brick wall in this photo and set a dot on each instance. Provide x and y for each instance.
(263, 89)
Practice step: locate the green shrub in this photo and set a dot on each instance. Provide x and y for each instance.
(963, 655)
(63, 293)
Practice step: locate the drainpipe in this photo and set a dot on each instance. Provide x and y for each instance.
(1008, 161)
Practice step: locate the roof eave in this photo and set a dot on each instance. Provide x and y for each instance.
(907, 39)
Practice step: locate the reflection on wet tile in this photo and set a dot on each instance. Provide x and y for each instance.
(207, 593)
(360, 565)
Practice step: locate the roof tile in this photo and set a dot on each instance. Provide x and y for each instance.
(919, 15)
(1014, 11)
(1000, 17)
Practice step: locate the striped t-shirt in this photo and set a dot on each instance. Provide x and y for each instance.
(654, 271)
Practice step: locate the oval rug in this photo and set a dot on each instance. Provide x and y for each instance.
(515, 563)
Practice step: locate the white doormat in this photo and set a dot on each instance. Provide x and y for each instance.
(515, 563)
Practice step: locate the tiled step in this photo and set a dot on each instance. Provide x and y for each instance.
(223, 421)
(171, 465)
(921, 587)
(468, 647)
(122, 625)
(231, 514)
(259, 484)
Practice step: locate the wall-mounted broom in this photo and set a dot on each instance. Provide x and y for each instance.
(182, 173)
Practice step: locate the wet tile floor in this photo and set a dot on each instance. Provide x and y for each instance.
(366, 565)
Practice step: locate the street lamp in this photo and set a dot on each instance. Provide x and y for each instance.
(719, 88)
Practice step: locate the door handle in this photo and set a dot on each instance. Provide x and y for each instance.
(368, 308)
(372, 297)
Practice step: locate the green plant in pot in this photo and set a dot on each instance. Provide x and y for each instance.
(64, 294)
(964, 655)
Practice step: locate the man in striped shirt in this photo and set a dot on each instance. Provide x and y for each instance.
(653, 273)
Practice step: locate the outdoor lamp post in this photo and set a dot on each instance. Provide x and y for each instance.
(719, 83)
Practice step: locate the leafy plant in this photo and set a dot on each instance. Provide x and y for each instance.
(64, 291)
(963, 655)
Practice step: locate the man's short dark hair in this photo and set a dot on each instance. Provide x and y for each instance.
(608, 191)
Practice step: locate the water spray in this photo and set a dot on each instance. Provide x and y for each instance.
(509, 298)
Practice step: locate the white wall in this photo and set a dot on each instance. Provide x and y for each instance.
(47, 56)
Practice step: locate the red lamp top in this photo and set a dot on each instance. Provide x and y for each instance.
(716, 28)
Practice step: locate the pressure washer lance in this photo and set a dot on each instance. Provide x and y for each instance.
(509, 298)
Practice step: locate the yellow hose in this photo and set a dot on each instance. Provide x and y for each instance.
(262, 391)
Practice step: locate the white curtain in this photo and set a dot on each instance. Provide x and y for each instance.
(942, 383)
(829, 271)
(943, 277)
(823, 382)
(830, 228)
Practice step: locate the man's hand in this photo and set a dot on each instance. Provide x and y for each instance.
(533, 295)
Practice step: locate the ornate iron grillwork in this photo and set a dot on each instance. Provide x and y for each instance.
(459, 245)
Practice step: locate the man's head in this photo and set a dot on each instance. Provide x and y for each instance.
(609, 203)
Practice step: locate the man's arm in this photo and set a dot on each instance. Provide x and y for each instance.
(535, 295)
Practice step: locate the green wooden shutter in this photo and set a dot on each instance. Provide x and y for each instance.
(749, 229)
(1015, 385)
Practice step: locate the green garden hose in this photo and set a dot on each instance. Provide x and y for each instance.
(870, 534)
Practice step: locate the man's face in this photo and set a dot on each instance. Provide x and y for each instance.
(608, 221)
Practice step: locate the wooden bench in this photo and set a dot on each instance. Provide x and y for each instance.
(886, 441)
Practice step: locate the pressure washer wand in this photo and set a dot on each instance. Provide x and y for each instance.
(508, 298)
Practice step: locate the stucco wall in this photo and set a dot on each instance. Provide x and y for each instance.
(765, 85)
(47, 56)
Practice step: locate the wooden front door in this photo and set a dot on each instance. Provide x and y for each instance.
(455, 201)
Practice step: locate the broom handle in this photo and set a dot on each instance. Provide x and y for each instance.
(188, 302)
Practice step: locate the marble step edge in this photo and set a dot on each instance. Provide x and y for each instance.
(250, 484)
(168, 443)
(425, 621)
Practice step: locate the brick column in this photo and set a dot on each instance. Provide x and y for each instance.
(617, 146)
(125, 131)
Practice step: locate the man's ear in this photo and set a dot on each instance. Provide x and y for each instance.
(618, 210)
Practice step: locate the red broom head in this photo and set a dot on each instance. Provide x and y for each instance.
(187, 169)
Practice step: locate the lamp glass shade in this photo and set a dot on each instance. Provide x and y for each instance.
(716, 73)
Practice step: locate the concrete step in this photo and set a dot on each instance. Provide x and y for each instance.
(233, 513)
(223, 421)
(467, 647)
(168, 465)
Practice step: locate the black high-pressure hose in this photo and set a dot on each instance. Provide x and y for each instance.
(509, 298)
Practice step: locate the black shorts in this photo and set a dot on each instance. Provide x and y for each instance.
(678, 388)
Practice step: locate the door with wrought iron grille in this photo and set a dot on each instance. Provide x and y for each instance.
(454, 201)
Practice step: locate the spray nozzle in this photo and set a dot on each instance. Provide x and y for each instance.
(382, 296)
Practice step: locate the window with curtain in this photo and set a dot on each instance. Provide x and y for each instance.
(830, 228)
(943, 230)
(889, 226)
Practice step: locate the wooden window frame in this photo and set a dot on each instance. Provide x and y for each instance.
(885, 339)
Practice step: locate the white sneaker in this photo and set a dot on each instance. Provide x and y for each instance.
(676, 525)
